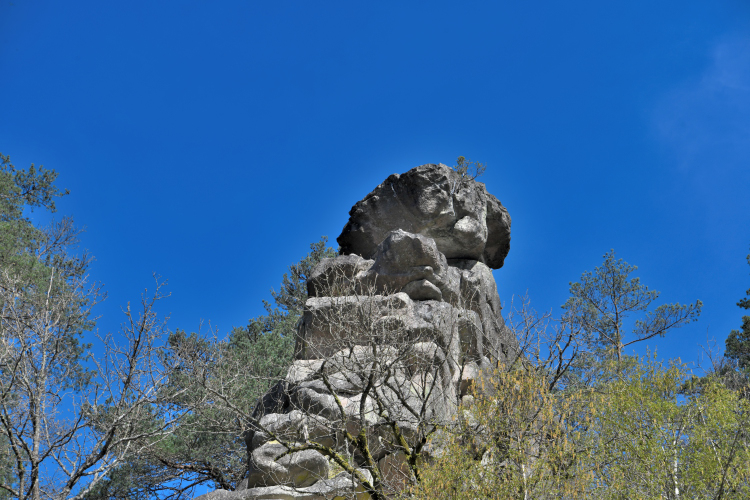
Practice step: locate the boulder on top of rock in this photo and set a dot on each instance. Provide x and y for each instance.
(435, 201)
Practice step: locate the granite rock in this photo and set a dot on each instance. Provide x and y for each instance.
(432, 200)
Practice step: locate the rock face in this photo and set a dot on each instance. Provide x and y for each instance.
(458, 214)
(395, 331)
(339, 487)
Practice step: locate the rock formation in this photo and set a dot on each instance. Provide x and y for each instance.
(395, 331)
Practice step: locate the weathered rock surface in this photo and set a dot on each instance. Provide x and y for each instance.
(459, 215)
(326, 321)
(395, 332)
(341, 270)
(291, 426)
(341, 486)
(403, 262)
(498, 237)
(395, 471)
(270, 466)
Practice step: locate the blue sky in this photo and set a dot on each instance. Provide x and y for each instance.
(212, 142)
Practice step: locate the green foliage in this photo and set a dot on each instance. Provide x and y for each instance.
(23, 247)
(515, 439)
(653, 440)
(469, 169)
(39, 272)
(20, 189)
(738, 341)
(738, 345)
(601, 302)
(639, 436)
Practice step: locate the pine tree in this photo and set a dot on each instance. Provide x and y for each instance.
(738, 341)
(602, 301)
(20, 245)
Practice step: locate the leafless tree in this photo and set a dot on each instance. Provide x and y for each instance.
(69, 422)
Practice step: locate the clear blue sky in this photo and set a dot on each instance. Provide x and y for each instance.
(212, 142)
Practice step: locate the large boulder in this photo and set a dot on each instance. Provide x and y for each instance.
(271, 465)
(330, 323)
(339, 487)
(433, 200)
(339, 272)
(293, 426)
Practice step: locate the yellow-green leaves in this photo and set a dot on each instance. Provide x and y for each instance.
(639, 436)
(654, 441)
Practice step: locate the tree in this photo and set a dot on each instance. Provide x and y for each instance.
(22, 255)
(67, 418)
(208, 446)
(541, 426)
(643, 434)
(467, 170)
(515, 439)
(601, 302)
(653, 439)
(68, 425)
(738, 341)
(520, 433)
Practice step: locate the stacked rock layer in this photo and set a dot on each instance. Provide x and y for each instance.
(395, 331)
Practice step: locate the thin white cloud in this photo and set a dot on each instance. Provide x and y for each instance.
(707, 120)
